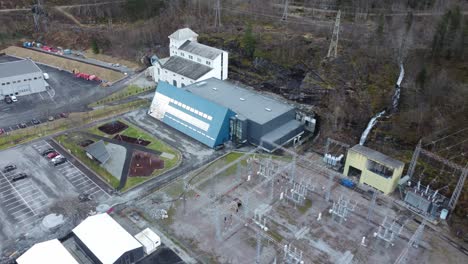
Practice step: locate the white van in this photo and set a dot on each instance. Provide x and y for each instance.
(46, 76)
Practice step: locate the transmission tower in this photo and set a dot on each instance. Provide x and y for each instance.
(341, 209)
(388, 231)
(414, 160)
(38, 12)
(285, 10)
(458, 188)
(217, 22)
(371, 207)
(333, 49)
(292, 255)
(413, 242)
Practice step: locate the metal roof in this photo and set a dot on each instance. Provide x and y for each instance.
(183, 33)
(20, 67)
(99, 151)
(201, 50)
(254, 106)
(52, 252)
(187, 68)
(377, 156)
(105, 238)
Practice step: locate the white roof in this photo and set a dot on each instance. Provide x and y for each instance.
(183, 34)
(105, 238)
(52, 252)
(148, 239)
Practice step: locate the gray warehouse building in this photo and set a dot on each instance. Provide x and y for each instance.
(21, 77)
(215, 111)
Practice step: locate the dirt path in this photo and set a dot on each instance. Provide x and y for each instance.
(68, 15)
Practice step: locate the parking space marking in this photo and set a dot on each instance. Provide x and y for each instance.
(17, 192)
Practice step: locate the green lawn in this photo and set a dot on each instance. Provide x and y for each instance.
(122, 94)
(156, 144)
(74, 120)
(70, 142)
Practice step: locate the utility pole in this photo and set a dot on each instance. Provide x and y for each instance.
(217, 22)
(285, 10)
(333, 49)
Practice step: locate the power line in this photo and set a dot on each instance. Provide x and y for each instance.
(435, 141)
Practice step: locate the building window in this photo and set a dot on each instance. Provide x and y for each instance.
(182, 54)
(198, 59)
(208, 63)
(8, 83)
(379, 169)
(3, 83)
(35, 78)
(190, 57)
(19, 81)
(14, 81)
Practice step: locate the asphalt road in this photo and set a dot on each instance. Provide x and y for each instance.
(163, 255)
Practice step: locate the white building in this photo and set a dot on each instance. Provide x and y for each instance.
(190, 61)
(51, 252)
(21, 77)
(106, 241)
(150, 240)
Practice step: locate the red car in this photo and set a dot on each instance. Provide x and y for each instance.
(52, 155)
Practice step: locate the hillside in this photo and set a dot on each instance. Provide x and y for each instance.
(288, 57)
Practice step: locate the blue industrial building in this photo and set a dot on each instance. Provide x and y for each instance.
(192, 115)
(215, 111)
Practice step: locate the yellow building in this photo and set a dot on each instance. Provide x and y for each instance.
(373, 168)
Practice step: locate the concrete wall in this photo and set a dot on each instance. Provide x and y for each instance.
(359, 161)
(22, 84)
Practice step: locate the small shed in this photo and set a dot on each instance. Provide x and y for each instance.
(98, 151)
(150, 240)
(52, 252)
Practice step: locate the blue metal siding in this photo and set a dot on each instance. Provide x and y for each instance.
(218, 131)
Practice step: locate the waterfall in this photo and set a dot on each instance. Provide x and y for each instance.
(396, 95)
(371, 124)
(395, 101)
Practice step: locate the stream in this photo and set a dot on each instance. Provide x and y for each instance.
(395, 102)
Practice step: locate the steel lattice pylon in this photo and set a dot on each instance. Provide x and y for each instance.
(333, 49)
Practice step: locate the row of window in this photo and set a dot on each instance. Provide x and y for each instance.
(199, 60)
(186, 107)
(191, 128)
(18, 81)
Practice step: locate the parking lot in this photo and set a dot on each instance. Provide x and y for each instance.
(66, 94)
(81, 182)
(25, 201)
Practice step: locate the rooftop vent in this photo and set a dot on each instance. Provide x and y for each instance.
(242, 99)
(214, 89)
(200, 84)
(268, 109)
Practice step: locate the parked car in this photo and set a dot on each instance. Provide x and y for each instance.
(20, 176)
(2, 131)
(52, 155)
(8, 100)
(64, 115)
(58, 157)
(14, 99)
(51, 118)
(35, 121)
(60, 161)
(22, 125)
(47, 151)
(9, 168)
(46, 76)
